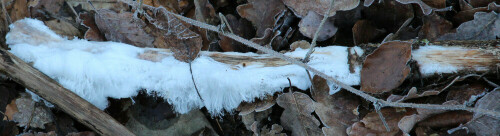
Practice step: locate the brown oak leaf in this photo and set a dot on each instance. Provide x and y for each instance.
(386, 68)
(297, 116)
(261, 13)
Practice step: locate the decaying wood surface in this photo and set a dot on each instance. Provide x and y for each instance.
(66, 100)
(466, 56)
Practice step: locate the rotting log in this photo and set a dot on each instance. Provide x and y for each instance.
(42, 85)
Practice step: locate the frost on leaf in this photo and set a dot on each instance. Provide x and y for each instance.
(485, 26)
(297, 116)
(123, 27)
(484, 125)
(335, 111)
(427, 6)
(386, 68)
(261, 13)
(172, 33)
(302, 7)
(310, 23)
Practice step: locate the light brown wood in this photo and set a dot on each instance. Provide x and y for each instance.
(72, 104)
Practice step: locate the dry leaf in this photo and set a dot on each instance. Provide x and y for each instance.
(297, 116)
(310, 23)
(240, 27)
(378, 15)
(205, 12)
(447, 119)
(63, 28)
(483, 125)
(84, 133)
(464, 92)
(481, 3)
(335, 111)
(258, 105)
(265, 40)
(123, 27)
(17, 10)
(435, 89)
(406, 123)
(426, 9)
(300, 44)
(173, 34)
(10, 110)
(386, 68)
(39, 117)
(261, 13)
(93, 33)
(434, 26)
(365, 32)
(274, 131)
(302, 7)
(115, 5)
(485, 26)
(467, 11)
(252, 120)
(372, 125)
(38, 8)
(7, 102)
(51, 133)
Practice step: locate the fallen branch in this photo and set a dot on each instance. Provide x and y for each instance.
(47, 88)
(370, 98)
(97, 70)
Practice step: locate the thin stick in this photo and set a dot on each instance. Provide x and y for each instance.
(218, 124)
(381, 116)
(4, 115)
(313, 42)
(367, 97)
(194, 83)
(77, 18)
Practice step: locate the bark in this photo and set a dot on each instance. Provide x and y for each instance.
(47, 88)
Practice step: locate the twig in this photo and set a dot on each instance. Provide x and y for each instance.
(491, 83)
(92, 5)
(218, 124)
(4, 115)
(381, 116)
(313, 42)
(77, 18)
(367, 97)
(194, 83)
(31, 118)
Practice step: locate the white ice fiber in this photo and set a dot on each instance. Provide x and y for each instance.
(429, 65)
(97, 70)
